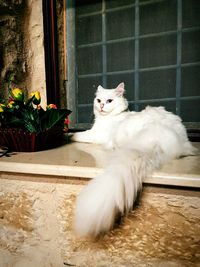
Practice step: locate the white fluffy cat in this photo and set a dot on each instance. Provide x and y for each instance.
(141, 142)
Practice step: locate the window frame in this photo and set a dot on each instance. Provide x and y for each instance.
(51, 51)
(72, 85)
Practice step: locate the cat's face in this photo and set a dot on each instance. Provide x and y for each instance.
(109, 101)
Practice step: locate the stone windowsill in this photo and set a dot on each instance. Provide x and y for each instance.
(86, 161)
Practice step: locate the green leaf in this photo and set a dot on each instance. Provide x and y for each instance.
(29, 102)
(31, 120)
(53, 117)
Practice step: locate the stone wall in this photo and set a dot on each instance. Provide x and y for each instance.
(36, 227)
(21, 46)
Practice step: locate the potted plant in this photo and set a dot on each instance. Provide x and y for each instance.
(26, 126)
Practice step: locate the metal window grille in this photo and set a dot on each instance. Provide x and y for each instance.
(151, 45)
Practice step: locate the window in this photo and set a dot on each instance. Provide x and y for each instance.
(151, 45)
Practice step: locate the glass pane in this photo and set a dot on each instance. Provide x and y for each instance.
(158, 51)
(128, 79)
(191, 13)
(85, 114)
(190, 110)
(157, 84)
(118, 3)
(155, 17)
(120, 24)
(143, 1)
(88, 6)
(89, 30)
(190, 47)
(120, 56)
(87, 88)
(190, 81)
(89, 60)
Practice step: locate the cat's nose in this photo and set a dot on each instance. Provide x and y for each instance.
(101, 105)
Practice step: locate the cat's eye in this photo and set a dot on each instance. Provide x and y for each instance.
(109, 100)
(98, 100)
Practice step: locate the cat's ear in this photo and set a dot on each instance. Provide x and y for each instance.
(99, 88)
(120, 89)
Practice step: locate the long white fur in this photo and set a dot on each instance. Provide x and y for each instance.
(141, 142)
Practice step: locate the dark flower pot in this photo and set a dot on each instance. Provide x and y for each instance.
(22, 141)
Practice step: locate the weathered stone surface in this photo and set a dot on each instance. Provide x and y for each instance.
(36, 228)
(12, 49)
(35, 49)
(15, 210)
(11, 6)
(163, 229)
(21, 46)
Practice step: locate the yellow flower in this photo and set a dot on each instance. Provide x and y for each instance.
(37, 97)
(2, 106)
(18, 94)
(11, 104)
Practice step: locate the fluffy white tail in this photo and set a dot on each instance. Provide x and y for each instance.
(114, 191)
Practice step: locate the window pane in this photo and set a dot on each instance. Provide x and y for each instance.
(89, 29)
(87, 88)
(120, 56)
(110, 60)
(191, 13)
(120, 24)
(85, 114)
(158, 51)
(128, 79)
(190, 81)
(155, 17)
(157, 84)
(190, 47)
(118, 3)
(87, 6)
(190, 110)
(89, 60)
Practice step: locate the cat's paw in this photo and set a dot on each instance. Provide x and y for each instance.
(84, 137)
(75, 137)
